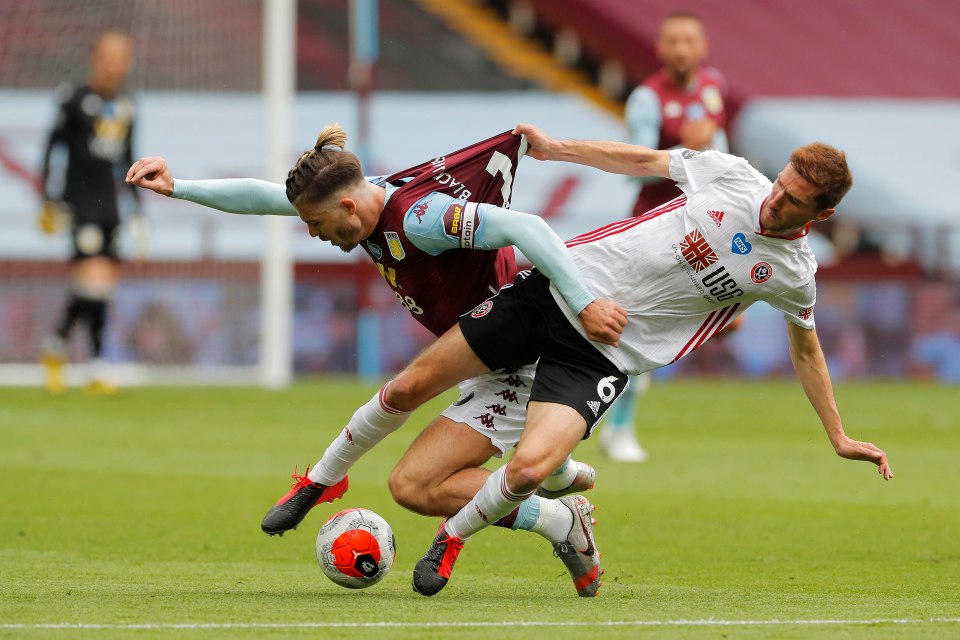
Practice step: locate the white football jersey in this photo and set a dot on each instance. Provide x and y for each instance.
(686, 269)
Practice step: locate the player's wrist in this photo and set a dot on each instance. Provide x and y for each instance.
(582, 305)
(837, 438)
(561, 150)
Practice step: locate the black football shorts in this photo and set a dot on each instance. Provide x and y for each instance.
(523, 323)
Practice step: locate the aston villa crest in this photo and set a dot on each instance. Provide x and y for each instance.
(394, 244)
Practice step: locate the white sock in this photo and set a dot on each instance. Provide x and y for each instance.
(372, 422)
(563, 476)
(492, 502)
(550, 518)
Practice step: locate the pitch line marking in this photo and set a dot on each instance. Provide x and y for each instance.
(518, 623)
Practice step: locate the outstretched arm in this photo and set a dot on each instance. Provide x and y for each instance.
(234, 195)
(811, 368)
(609, 156)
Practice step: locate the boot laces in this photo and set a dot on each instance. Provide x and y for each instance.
(300, 480)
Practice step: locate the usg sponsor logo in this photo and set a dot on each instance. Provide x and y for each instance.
(721, 285)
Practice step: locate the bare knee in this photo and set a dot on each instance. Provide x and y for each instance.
(409, 491)
(524, 475)
(406, 392)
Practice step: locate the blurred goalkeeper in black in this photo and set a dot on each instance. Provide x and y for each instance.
(86, 156)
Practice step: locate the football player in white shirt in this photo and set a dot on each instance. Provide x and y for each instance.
(671, 279)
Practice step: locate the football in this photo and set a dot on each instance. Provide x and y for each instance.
(356, 548)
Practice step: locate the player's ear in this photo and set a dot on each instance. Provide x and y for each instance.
(824, 214)
(349, 205)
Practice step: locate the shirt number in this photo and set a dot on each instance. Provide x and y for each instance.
(409, 304)
(499, 163)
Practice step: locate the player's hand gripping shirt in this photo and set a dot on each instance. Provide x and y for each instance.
(683, 271)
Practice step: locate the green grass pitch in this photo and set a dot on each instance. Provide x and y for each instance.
(144, 510)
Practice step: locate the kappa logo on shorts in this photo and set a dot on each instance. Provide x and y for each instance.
(486, 420)
(806, 314)
(394, 244)
(482, 309)
(499, 409)
(594, 406)
(761, 272)
(514, 381)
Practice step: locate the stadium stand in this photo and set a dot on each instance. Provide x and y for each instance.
(418, 51)
(882, 48)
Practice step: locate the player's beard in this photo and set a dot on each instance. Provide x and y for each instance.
(348, 246)
(682, 76)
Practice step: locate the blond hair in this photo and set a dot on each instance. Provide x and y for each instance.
(324, 170)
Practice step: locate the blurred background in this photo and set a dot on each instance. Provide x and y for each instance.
(424, 77)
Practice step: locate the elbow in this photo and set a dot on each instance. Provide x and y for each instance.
(525, 231)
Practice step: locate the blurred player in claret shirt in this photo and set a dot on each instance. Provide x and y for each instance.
(679, 106)
(88, 149)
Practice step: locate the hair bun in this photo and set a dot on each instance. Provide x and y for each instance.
(331, 137)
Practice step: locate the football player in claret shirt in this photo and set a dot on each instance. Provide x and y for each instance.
(440, 235)
(668, 281)
(680, 106)
(88, 149)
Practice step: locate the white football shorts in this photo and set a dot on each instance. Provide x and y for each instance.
(495, 404)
